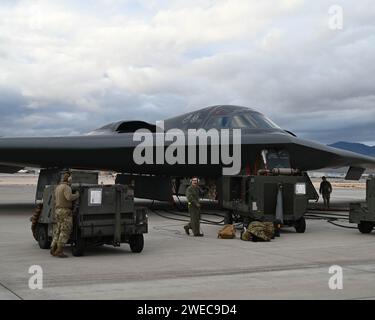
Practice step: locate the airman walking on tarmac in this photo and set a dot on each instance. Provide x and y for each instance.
(63, 215)
(325, 190)
(192, 195)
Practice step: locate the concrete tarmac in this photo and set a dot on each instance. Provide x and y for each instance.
(176, 266)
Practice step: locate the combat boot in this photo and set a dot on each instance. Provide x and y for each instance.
(53, 249)
(59, 252)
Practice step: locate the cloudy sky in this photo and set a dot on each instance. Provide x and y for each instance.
(68, 68)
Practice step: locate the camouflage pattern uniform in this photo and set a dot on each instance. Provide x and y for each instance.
(269, 229)
(192, 195)
(246, 235)
(63, 217)
(257, 230)
(64, 225)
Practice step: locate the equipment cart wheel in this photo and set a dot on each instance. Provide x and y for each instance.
(136, 242)
(78, 247)
(228, 218)
(42, 235)
(300, 225)
(365, 226)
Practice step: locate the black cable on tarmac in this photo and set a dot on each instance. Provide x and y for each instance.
(330, 220)
(204, 221)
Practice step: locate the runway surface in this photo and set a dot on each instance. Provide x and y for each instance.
(175, 266)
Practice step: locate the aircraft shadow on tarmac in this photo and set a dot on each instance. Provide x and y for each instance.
(17, 208)
(105, 250)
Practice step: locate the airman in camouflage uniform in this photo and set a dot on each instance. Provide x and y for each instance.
(269, 229)
(63, 216)
(258, 231)
(192, 195)
(325, 190)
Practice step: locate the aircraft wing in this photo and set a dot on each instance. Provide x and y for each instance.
(308, 155)
(115, 153)
(330, 157)
(96, 152)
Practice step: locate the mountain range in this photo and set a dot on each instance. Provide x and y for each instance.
(355, 147)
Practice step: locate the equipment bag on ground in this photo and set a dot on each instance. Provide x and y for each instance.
(227, 232)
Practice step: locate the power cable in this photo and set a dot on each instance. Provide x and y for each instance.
(204, 221)
(331, 220)
(339, 225)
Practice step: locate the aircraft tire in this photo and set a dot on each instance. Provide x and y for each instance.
(42, 235)
(78, 247)
(365, 226)
(300, 225)
(136, 243)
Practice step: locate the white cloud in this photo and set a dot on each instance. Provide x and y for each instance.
(116, 59)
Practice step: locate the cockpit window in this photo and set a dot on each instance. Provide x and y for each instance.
(264, 122)
(244, 120)
(219, 122)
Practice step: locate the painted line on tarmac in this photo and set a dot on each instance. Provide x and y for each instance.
(11, 291)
